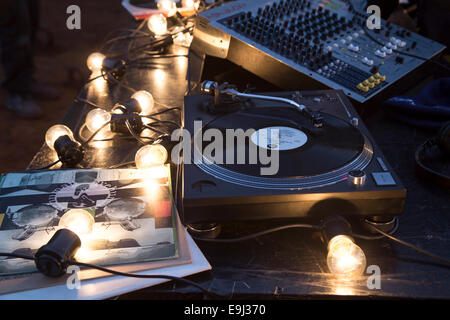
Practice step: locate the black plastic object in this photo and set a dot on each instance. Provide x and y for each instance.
(334, 226)
(118, 123)
(132, 106)
(53, 258)
(113, 69)
(443, 139)
(70, 152)
(433, 156)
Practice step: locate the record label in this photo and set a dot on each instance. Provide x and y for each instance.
(279, 138)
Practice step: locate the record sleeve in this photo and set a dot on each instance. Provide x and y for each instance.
(132, 214)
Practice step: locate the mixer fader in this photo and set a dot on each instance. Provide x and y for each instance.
(325, 41)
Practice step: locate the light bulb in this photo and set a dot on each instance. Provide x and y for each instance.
(168, 7)
(157, 24)
(345, 259)
(146, 101)
(190, 4)
(150, 156)
(95, 61)
(55, 132)
(183, 39)
(79, 221)
(96, 118)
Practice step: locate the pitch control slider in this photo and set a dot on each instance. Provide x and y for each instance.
(214, 89)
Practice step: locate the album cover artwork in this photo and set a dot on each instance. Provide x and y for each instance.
(121, 215)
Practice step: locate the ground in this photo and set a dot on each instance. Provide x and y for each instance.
(21, 139)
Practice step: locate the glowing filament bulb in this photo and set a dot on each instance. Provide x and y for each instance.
(157, 24)
(190, 4)
(150, 156)
(96, 118)
(55, 132)
(345, 258)
(78, 221)
(168, 7)
(146, 101)
(95, 61)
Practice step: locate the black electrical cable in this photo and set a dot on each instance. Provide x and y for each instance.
(153, 129)
(409, 245)
(261, 233)
(164, 111)
(82, 138)
(123, 164)
(145, 276)
(96, 132)
(365, 237)
(134, 134)
(49, 166)
(157, 121)
(123, 274)
(16, 255)
(89, 103)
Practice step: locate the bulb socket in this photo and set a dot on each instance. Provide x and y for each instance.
(53, 258)
(118, 123)
(69, 152)
(113, 68)
(166, 142)
(334, 226)
(132, 106)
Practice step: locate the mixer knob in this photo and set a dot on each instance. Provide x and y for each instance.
(356, 178)
(386, 50)
(380, 54)
(353, 47)
(391, 46)
(367, 61)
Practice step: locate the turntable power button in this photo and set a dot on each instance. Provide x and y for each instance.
(357, 177)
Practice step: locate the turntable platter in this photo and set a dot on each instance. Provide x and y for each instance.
(305, 152)
(336, 169)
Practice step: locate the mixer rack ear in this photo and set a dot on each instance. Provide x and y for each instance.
(314, 44)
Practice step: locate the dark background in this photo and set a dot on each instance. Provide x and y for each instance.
(21, 139)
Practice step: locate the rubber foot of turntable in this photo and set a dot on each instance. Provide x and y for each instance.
(386, 224)
(205, 230)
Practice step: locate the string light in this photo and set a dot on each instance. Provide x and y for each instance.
(99, 64)
(168, 7)
(141, 102)
(146, 101)
(60, 138)
(157, 24)
(95, 61)
(345, 259)
(96, 118)
(151, 156)
(190, 4)
(79, 221)
(55, 132)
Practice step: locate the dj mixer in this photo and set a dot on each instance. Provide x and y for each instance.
(314, 44)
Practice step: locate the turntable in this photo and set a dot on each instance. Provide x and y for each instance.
(327, 161)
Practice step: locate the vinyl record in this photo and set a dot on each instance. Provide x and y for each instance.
(304, 151)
